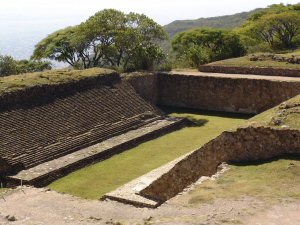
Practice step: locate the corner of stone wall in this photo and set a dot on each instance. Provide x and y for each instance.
(244, 144)
(145, 84)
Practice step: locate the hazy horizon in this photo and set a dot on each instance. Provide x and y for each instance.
(24, 23)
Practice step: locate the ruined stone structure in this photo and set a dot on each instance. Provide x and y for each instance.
(48, 131)
(242, 145)
(145, 84)
(221, 93)
(44, 123)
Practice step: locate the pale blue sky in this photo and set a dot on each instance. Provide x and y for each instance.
(162, 11)
(23, 23)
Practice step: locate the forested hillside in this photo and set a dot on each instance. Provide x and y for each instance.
(229, 21)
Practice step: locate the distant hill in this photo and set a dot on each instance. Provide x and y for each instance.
(229, 21)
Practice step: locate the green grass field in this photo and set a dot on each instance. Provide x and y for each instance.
(269, 181)
(94, 181)
(245, 62)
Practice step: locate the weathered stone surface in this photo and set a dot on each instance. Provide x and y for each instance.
(4, 166)
(244, 144)
(44, 94)
(145, 84)
(224, 93)
(250, 70)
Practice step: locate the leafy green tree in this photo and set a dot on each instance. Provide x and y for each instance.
(278, 26)
(8, 66)
(200, 46)
(60, 46)
(286, 26)
(110, 38)
(30, 66)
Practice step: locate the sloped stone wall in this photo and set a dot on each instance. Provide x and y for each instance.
(46, 93)
(244, 144)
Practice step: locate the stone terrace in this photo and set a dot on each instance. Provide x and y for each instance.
(47, 172)
(35, 135)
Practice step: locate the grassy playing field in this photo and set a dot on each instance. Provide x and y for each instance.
(94, 181)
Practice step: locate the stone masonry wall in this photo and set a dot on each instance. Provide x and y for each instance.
(245, 144)
(4, 166)
(222, 93)
(145, 84)
(250, 70)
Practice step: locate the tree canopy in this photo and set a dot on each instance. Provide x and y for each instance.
(277, 26)
(199, 46)
(110, 38)
(10, 66)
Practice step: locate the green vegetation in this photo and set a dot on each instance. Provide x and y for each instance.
(23, 81)
(247, 61)
(283, 182)
(200, 46)
(285, 114)
(275, 28)
(2, 190)
(110, 38)
(10, 66)
(230, 21)
(96, 180)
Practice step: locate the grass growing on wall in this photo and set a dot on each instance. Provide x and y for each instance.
(269, 181)
(23, 81)
(245, 62)
(94, 181)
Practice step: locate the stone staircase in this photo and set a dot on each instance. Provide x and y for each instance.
(32, 136)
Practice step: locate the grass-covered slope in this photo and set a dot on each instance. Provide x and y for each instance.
(282, 183)
(249, 179)
(285, 115)
(263, 62)
(23, 81)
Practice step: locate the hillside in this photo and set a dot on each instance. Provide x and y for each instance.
(229, 21)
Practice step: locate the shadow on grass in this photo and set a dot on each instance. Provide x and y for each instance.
(196, 122)
(169, 110)
(259, 162)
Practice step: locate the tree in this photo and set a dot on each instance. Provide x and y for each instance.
(277, 26)
(60, 46)
(30, 66)
(110, 38)
(200, 46)
(10, 66)
(286, 26)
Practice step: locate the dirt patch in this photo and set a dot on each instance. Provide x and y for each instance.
(41, 206)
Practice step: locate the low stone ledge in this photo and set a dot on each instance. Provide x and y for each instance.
(250, 70)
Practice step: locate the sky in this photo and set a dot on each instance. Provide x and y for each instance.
(162, 11)
(23, 23)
